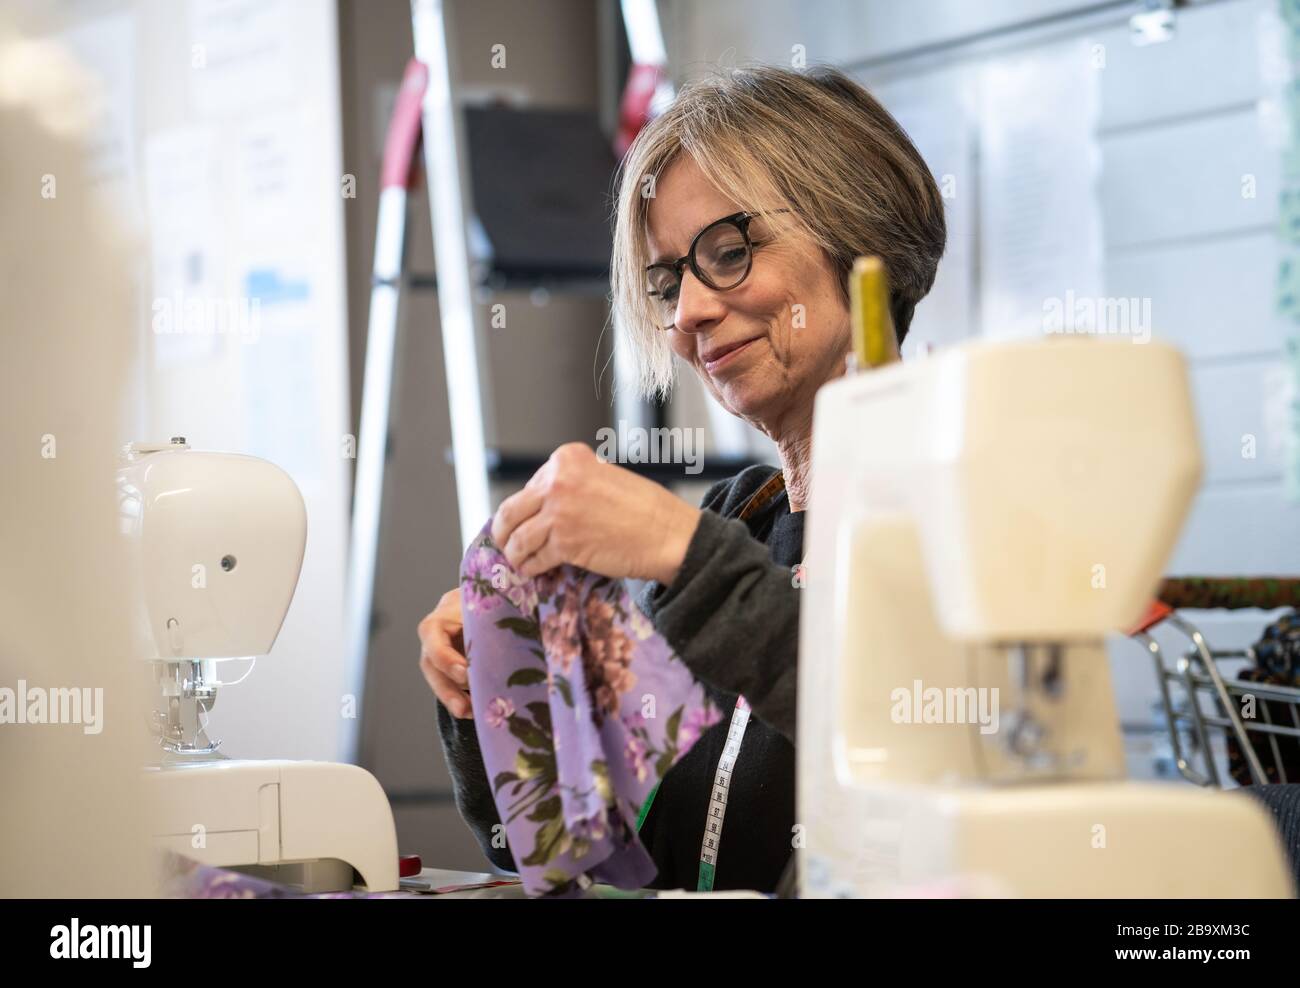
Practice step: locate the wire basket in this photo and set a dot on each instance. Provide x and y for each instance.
(1216, 713)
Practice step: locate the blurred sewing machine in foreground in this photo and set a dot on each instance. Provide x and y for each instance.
(980, 519)
(216, 545)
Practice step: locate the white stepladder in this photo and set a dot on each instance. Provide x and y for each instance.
(425, 106)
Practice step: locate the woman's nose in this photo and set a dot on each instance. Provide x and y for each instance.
(698, 306)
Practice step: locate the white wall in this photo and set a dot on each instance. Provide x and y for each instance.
(841, 32)
(224, 134)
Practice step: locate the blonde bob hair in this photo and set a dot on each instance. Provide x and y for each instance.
(814, 142)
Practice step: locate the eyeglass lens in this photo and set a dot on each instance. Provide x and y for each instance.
(722, 255)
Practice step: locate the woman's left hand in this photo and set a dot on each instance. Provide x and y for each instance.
(580, 510)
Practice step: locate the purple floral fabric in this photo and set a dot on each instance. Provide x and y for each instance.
(580, 709)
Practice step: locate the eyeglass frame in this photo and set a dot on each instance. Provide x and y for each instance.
(678, 267)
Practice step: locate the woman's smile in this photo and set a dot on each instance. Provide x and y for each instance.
(722, 356)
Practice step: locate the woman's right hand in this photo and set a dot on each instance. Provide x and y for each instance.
(442, 655)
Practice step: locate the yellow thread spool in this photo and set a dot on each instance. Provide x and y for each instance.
(874, 340)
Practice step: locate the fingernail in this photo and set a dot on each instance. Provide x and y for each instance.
(460, 674)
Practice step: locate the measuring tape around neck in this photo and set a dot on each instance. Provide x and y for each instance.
(718, 796)
(774, 485)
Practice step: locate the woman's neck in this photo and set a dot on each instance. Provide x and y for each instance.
(795, 449)
(793, 434)
(793, 441)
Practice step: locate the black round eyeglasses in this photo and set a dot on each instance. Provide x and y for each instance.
(721, 256)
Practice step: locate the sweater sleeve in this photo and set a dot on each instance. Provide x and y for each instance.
(470, 786)
(732, 614)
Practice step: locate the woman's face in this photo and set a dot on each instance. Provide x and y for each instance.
(764, 347)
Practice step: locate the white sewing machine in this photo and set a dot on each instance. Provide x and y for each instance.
(216, 543)
(980, 518)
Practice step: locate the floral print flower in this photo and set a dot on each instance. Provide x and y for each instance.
(499, 711)
(546, 584)
(561, 634)
(476, 578)
(519, 590)
(694, 723)
(607, 659)
(591, 828)
(637, 754)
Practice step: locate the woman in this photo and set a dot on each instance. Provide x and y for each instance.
(740, 211)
